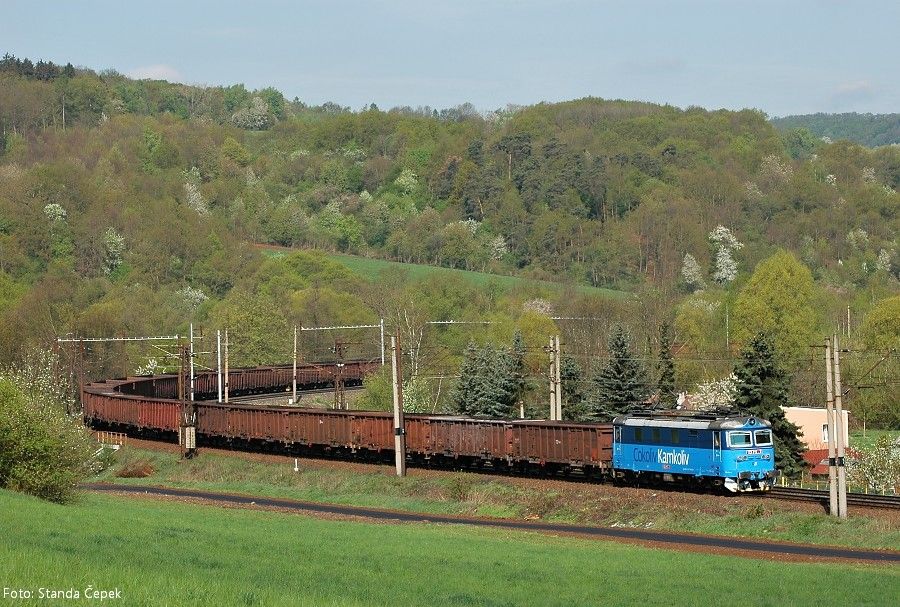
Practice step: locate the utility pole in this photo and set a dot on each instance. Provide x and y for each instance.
(294, 400)
(80, 374)
(226, 365)
(191, 342)
(219, 364)
(399, 425)
(381, 326)
(187, 429)
(558, 379)
(839, 431)
(340, 396)
(552, 379)
(829, 415)
(555, 380)
(73, 383)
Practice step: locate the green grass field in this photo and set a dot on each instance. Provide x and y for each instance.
(166, 553)
(858, 441)
(484, 496)
(370, 268)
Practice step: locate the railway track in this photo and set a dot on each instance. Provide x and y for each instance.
(263, 398)
(795, 494)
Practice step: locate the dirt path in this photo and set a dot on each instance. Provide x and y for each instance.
(782, 551)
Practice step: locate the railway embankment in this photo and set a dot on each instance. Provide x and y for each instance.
(447, 492)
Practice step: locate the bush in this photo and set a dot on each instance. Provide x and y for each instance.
(876, 468)
(379, 391)
(43, 450)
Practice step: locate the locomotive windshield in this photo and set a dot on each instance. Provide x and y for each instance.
(739, 439)
(763, 438)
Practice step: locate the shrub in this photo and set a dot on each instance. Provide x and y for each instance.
(44, 451)
(876, 468)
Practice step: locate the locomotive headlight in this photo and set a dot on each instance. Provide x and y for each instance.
(742, 458)
(766, 456)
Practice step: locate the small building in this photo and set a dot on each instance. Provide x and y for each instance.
(813, 423)
(817, 460)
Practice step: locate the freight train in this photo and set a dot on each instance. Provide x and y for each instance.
(735, 453)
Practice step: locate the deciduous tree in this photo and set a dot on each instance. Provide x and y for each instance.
(778, 300)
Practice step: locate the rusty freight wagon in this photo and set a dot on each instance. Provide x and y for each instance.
(559, 445)
(147, 405)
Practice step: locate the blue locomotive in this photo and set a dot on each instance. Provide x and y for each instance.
(733, 452)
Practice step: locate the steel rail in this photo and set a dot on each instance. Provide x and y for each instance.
(797, 494)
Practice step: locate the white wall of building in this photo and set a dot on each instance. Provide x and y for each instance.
(813, 423)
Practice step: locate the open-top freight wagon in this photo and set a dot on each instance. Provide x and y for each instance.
(147, 405)
(735, 452)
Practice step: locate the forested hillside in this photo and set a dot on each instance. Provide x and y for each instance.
(128, 207)
(870, 130)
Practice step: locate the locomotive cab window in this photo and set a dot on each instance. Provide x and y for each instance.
(763, 438)
(739, 439)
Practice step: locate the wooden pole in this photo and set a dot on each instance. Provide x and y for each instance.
(839, 432)
(399, 426)
(829, 416)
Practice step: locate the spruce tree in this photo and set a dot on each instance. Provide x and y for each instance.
(503, 382)
(573, 390)
(489, 384)
(762, 391)
(665, 368)
(621, 384)
(464, 393)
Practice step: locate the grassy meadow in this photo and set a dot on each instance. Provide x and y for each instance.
(166, 553)
(474, 494)
(369, 267)
(858, 440)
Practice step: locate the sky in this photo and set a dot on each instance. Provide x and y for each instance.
(783, 57)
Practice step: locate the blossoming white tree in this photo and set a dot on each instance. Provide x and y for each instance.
(691, 272)
(256, 117)
(498, 247)
(114, 245)
(407, 181)
(727, 244)
(716, 393)
(193, 197)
